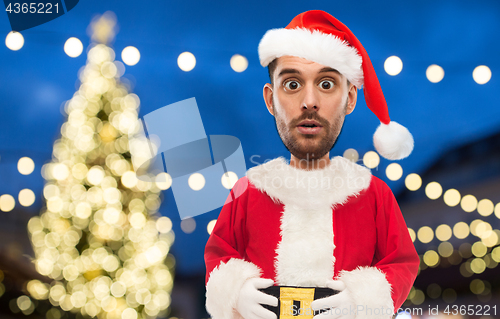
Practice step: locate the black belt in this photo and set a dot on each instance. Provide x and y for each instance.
(295, 302)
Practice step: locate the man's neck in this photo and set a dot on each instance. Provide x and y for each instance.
(310, 164)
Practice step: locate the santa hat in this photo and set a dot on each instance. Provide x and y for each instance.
(319, 37)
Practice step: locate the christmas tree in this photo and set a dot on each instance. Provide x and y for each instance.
(99, 236)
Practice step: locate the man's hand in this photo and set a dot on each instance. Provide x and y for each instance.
(250, 298)
(338, 306)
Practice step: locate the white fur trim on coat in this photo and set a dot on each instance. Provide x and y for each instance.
(310, 189)
(315, 46)
(224, 285)
(370, 291)
(304, 256)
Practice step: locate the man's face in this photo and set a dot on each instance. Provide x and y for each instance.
(309, 102)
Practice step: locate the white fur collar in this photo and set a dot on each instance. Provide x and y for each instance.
(313, 189)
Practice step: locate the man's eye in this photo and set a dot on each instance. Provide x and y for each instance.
(292, 85)
(326, 84)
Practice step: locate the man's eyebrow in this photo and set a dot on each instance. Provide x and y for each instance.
(328, 69)
(288, 71)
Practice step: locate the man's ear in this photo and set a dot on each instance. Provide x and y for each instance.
(352, 97)
(268, 97)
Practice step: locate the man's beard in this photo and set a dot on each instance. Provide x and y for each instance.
(312, 150)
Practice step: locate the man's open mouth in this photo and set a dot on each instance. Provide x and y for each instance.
(309, 127)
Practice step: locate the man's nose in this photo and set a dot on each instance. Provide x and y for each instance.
(310, 99)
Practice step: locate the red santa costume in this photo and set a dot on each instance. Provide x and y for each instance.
(305, 227)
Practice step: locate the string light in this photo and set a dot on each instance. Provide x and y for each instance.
(481, 74)
(131, 55)
(425, 234)
(7, 203)
(351, 154)
(210, 226)
(73, 47)
(25, 165)
(188, 225)
(433, 190)
(461, 230)
(14, 41)
(371, 159)
(468, 203)
(452, 197)
(413, 182)
(26, 197)
(393, 65)
(228, 179)
(413, 236)
(394, 171)
(186, 61)
(196, 181)
(434, 73)
(238, 63)
(485, 207)
(443, 232)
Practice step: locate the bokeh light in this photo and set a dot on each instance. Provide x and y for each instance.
(7, 203)
(186, 61)
(73, 47)
(163, 181)
(26, 197)
(238, 63)
(413, 181)
(433, 190)
(481, 74)
(434, 291)
(418, 297)
(188, 225)
(228, 179)
(443, 232)
(477, 265)
(25, 165)
(393, 65)
(478, 249)
(14, 40)
(196, 181)
(394, 171)
(434, 73)
(351, 154)
(164, 224)
(452, 197)
(211, 225)
(485, 207)
(425, 234)
(131, 55)
(477, 286)
(371, 159)
(468, 203)
(445, 249)
(461, 230)
(431, 258)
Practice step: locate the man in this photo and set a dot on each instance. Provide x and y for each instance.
(314, 222)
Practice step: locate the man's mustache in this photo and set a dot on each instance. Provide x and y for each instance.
(310, 116)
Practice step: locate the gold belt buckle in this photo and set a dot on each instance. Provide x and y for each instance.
(301, 309)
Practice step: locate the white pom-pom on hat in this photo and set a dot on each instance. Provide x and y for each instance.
(393, 141)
